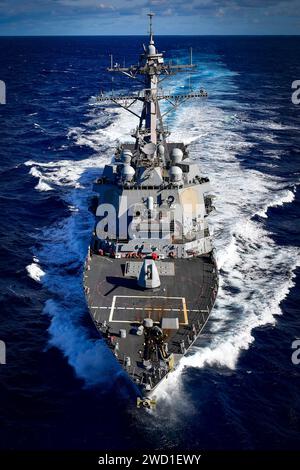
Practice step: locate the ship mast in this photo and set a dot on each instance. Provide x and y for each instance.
(153, 70)
(151, 106)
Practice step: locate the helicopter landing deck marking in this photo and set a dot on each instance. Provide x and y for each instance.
(137, 307)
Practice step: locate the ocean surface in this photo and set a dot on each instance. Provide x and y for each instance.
(238, 388)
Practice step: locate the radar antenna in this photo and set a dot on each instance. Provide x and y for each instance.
(151, 70)
(150, 26)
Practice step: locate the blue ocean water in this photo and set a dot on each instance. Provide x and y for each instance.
(60, 388)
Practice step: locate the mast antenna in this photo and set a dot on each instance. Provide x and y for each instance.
(150, 70)
(150, 27)
(191, 63)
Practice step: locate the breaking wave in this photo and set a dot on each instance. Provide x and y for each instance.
(62, 256)
(279, 199)
(42, 185)
(35, 272)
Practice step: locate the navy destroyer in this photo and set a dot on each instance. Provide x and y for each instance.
(150, 276)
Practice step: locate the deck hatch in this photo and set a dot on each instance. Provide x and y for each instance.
(170, 323)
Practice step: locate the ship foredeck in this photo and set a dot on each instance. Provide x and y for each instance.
(186, 295)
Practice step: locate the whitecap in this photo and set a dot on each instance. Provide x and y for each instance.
(35, 272)
(42, 185)
(284, 197)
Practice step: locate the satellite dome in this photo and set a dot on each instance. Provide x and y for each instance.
(176, 155)
(149, 149)
(128, 172)
(126, 156)
(151, 49)
(175, 173)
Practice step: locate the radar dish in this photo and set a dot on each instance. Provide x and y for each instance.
(149, 149)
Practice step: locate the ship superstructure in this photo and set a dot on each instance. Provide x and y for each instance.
(150, 276)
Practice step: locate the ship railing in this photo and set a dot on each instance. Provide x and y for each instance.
(198, 325)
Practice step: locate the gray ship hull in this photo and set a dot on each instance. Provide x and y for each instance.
(118, 306)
